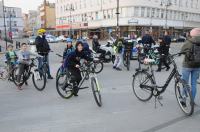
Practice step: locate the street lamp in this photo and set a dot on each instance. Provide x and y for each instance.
(166, 4)
(117, 13)
(4, 23)
(70, 8)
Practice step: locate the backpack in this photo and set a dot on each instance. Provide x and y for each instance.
(195, 53)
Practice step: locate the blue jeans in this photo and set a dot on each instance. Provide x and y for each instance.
(194, 73)
(41, 62)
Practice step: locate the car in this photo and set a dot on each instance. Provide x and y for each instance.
(51, 39)
(178, 39)
(61, 38)
(31, 40)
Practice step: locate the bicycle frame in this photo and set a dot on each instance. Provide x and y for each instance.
(174, 73)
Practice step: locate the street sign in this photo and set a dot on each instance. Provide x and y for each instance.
(133, 21)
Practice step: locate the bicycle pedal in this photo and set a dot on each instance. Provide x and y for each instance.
(84, 88)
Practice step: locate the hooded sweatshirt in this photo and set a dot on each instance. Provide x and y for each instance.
(187, 63)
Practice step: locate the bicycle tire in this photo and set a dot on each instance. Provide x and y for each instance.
(39, 76)
(60, 87)
(45, 69)
(14, 77)
(148, 91)
(128, 63)
(96, 92)
(124, 60)
(180, 99)
(100, 64)
(113, 59)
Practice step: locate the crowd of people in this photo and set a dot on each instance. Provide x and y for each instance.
(73, 54)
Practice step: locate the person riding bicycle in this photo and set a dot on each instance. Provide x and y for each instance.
(43, 49)
(118, 54)
(147, 41)
(191, 63)
(72, 63)
(69, 48)
(96, 46)
(11, 57)
(23, 60)
(164, 52)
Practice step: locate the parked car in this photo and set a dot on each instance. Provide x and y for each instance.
(61, 38)
(178, 39)
(51, 39)
(31, 40)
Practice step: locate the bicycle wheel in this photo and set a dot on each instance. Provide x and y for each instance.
(128, 63)
(63, 87)
(15, 76)
(98, 66)
(142, 93)
(96, 91)
(125, 60)
(39, 80)
(45, 69)
(113, 59)
(184, 97)
(4, 73)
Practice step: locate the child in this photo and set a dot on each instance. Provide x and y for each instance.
(11, 58)
(69, 48)
(118, 55)
(24, 61)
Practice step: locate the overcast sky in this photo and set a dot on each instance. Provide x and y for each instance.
(25, 4)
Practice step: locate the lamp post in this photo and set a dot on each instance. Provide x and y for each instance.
(166, 4)
(4, 20)
(117, 13)
(70, 9)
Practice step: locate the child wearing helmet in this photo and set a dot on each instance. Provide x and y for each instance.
(69, 48)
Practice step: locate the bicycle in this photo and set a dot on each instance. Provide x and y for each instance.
(65, 84)
(147, 87)
(38, 78)
(128, 46)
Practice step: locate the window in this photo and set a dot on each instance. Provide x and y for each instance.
(153, 12)
(142, 11)
(136, 11)
(148, 12)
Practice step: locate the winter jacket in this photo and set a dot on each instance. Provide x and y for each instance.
(187, 47)
(42, 46)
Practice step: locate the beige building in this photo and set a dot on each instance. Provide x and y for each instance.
(47, 15)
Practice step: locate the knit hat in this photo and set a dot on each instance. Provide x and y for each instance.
(195, 32)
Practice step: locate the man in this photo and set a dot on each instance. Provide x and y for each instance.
(191, 63)
(147, 41)
(43, 49)
(96, 46)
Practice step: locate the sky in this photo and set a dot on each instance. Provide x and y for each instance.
(26, 5)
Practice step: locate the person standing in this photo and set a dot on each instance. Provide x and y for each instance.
(43, 49)
(147, 41)
(164, 52)
(191, 63)
(118, 54)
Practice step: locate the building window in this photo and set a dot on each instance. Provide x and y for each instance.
(142, 11)
(148, 12)
(136, 11)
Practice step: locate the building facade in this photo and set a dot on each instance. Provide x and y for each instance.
(13, 21)
(47, 15)
(99, 16)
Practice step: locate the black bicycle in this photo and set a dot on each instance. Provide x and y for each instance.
(128, 47)
(65, 83)
(145, 86)
(38, 77)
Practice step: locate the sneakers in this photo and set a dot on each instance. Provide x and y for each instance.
(50, 77)
(167, 69)
(114, 67)
(159, 70)
(118, 69)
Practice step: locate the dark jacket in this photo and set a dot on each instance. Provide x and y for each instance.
(167, 40)
(187, 63)
(67, 51)
(74, 58)
(95, 45)
(42, 46)
(147, 39)
(11, 59)
(163, 49)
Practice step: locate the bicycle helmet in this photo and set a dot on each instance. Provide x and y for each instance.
(41, 31)
(69, 40)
